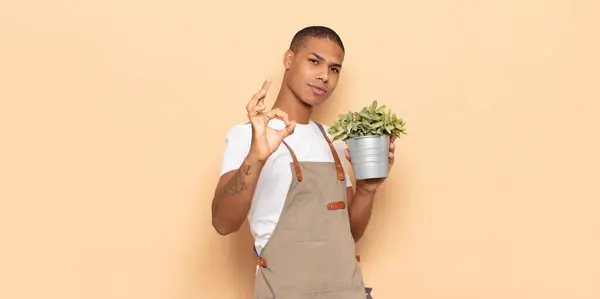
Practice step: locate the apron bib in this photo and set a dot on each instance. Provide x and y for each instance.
(311, 252)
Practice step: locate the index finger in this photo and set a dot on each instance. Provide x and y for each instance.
(266, 85)
(259, 97)
(263, 91)
(279, 114)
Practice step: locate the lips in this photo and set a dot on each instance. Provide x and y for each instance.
(319, 90)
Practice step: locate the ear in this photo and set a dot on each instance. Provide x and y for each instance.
(287, 59)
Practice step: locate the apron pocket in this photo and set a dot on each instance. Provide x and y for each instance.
(314, 221)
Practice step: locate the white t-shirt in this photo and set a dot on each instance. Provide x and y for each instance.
(308, 144)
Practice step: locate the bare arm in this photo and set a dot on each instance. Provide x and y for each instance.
(235, 189)
(360, 205)
(360, 202)
(233, 196)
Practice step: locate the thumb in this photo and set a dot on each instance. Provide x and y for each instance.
(347, 154)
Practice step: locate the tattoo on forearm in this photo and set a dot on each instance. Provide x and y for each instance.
(237, 183)
(247, 169)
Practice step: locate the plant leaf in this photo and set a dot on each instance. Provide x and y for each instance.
(370, 120)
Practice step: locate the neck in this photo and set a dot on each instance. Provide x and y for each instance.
(293, 106)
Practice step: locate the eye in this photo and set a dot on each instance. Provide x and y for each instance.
(335, 70)
(312, 60)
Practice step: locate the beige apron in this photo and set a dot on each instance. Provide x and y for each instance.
(311, 252)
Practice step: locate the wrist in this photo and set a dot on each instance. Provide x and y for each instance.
(254, 159)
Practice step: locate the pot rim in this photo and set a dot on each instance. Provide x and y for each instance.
(367, 136)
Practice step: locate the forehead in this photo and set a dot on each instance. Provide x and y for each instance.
(325, 48)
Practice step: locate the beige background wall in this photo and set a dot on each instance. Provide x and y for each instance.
(113, 114)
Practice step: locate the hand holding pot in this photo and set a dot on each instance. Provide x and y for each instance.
(266, 140)
(372, 184)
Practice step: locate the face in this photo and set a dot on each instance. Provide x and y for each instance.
(312, 73)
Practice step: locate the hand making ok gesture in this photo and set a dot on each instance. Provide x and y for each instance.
(266, 140)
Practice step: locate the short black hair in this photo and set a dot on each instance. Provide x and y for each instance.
(315, 32)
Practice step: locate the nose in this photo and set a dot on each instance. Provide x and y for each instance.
(323, 74)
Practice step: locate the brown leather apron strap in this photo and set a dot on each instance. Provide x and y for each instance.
(296, 163)
(260, 261)
(337, 205)
(338, 164)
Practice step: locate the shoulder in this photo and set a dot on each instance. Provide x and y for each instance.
(239, 131)
(238, 139)
(325, 128)
(338, 144)
(237, 144)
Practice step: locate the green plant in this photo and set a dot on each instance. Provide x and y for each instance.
(371, 120)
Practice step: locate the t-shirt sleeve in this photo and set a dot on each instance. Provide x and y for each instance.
(340, 149)
(237, 146)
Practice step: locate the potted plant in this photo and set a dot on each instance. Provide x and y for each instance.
(367, 133)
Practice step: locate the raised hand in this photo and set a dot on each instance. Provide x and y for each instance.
(266, 140)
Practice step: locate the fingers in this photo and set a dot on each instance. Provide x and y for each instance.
(263, 92)
(392, 150)
(257, 103)
(288, 130)
(279, 114)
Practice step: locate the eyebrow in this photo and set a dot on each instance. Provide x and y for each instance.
(321, 58)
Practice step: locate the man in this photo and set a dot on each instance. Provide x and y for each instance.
(282, 172)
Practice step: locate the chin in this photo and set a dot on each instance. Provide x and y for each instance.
(314, 100)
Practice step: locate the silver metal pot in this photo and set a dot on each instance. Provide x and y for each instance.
(369, 156)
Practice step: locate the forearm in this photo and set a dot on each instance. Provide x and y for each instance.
(360, 211)
(232, 201)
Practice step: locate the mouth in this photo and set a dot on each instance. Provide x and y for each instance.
(318, 90)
